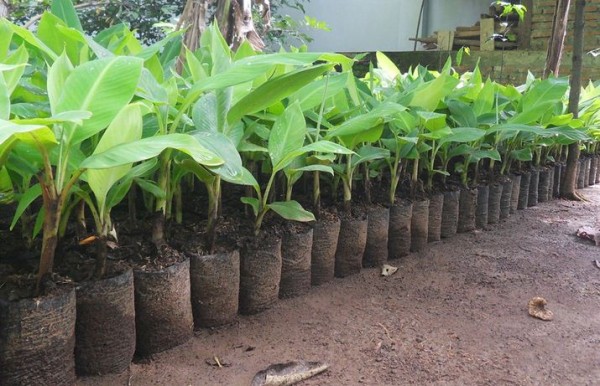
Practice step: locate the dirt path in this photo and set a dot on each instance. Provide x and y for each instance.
(455, 314)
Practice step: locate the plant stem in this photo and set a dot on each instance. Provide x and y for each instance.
(415, 175)
(50, 233)
(367, 183)
(347, 181)
(158, 235)
(317, 194)
(395, 178)
(214, 192)
(263, 209)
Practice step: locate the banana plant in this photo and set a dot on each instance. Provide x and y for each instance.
(318, 102)
(356, 134)
(110, 185)
(286, 143)
(83, 101)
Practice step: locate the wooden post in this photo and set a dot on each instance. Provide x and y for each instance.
(486, 40)
(445, 40)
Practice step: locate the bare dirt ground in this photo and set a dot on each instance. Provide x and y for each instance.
(455, 314)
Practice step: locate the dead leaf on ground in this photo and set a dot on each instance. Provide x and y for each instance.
(217, 362)
(589, 233)
(388, 270)
(282, 374)
(537, 309)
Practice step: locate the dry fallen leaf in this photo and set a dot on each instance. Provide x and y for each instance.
(537, 309)
(388, 270)
(589, 233)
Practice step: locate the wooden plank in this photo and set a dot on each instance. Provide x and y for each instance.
(467, 42)
(472, 28)
(445, 40)
(467, 34)
(486, 42)
(424, 40)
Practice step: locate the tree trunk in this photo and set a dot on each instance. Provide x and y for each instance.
(236, 23)
(568, 188)
(4, 11)
(557, 39)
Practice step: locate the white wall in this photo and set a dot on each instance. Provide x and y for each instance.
(385, 25)
(364, 25)
(448, 14)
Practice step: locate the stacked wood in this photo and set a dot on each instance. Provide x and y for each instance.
(480, 36)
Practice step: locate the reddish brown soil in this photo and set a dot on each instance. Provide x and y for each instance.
(454, 314)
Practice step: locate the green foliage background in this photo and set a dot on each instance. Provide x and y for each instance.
(143, 15)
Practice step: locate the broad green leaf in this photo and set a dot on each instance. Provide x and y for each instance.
(463, 134)
(546, 92)
(462, 113)
(18, 59)
(65, 10)
(387, 66)
(232, 169)
(511, 129)
(6, 35)
(481, 154)
(432, 121)
(429, 95)
(209, 113)
(253, 202)
(126, 127)
(522, 155)
(291, 210)
(28, 197)
(25, 133)
(287, 136)
(76, 117)
(567, 135)
(369, 153)
(57, 76)
(148, 52)
(484, 103)
(531, 115)
(151, 90)
(120, 190)
(204, 113)
(296, 59)
(194, 66)
(220, 52)
(147, 148)
(404, 122)
(560, 120)
(315, 168)
(370, 135)
(151, 187)
(313, 94)
(4, 99)
(320, 147)
(324, 146)
(363, 122)
(273, 91)
(30, 38)
(249, 68)
(459, 150)
(102, 87)
(49, 32)
(6, 187)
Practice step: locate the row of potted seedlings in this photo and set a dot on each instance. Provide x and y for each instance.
(386, 163)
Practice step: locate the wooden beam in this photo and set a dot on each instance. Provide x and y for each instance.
(445, 40)
(486, 40)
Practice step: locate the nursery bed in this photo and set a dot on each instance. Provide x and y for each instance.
(455, 312)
